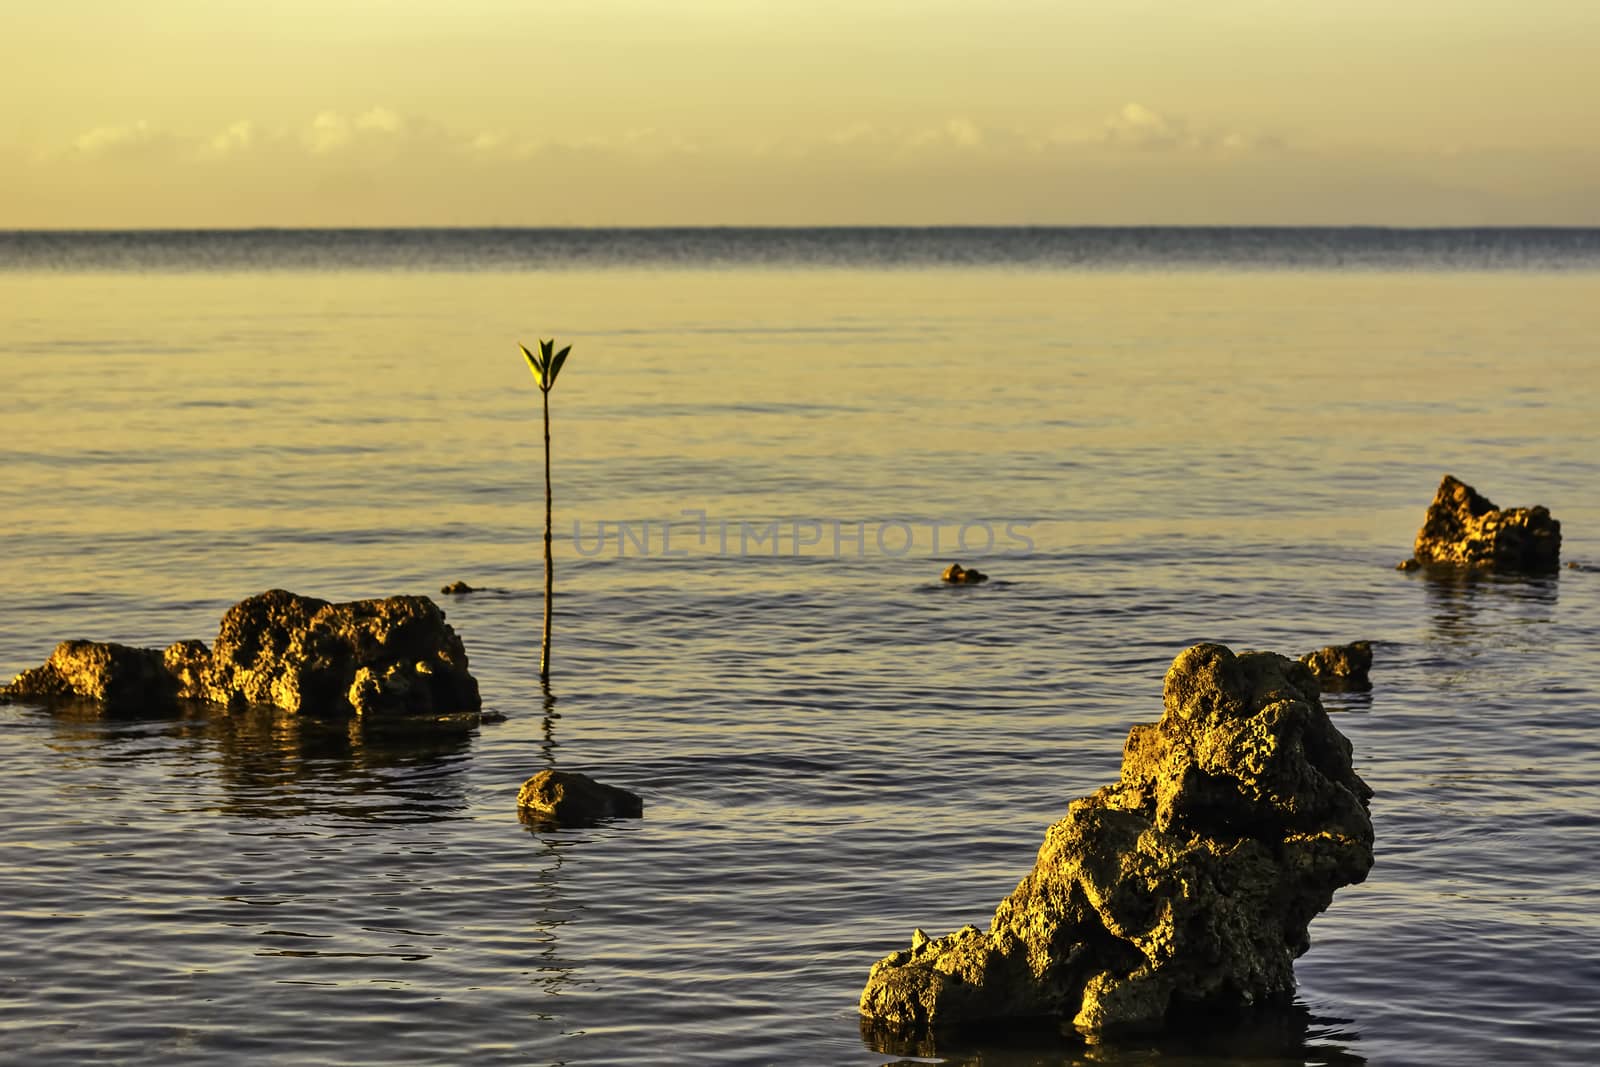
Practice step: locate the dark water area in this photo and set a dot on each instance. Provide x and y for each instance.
(759, 474)
(1044, 248)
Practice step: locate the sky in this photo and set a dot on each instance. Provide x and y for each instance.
(223, 113)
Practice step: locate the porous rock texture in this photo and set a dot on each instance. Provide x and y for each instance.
(573, 798)
(1339, 667)
(389, 657)
(1463, 528)
(118, 676)
(1189, 883)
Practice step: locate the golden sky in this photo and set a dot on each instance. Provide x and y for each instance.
(750, 112)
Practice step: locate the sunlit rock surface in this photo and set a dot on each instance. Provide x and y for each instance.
(1338, 667)
(1189, 882)
(118, 676)
(575, 799)
(390, 657)
(1463, 528)
(956, 574)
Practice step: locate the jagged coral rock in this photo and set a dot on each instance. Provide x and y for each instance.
(573, 798)
(1191, 881)
(117, 676)
(1463, 528)
(1341, 666)
(395, 656)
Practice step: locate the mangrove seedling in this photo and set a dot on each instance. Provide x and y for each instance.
(545, 366)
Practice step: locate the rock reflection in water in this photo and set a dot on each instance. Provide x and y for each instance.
(1466, 605)
(1289, 1034)
(548, 909)
(274, 766)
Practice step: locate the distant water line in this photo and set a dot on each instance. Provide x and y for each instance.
(882, 248)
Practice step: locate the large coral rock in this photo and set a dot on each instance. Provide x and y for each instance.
(1190, 882)
(1463, 528)
(390, 657)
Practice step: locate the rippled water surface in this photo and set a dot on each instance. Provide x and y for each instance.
(1235, 442)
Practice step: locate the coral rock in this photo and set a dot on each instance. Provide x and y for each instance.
(117, 676)
(391, 656)
(573, 798)
(1464, 529)
(395, 656)
(1341, 666)
(1190, 882)
(956, 574)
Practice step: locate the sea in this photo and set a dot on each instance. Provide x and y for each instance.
(766, 445)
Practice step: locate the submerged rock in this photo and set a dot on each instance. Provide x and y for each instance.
(1341, 666)
(458, 589)
(573, 798)
(956, 574)
(1189, 883)
(1463, 528)
(389, 657)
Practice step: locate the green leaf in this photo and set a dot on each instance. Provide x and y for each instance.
(555, 367)
(534, 365)
(546, 349)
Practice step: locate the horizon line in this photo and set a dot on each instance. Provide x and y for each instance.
(810, 227)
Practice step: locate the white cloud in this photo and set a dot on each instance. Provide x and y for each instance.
(328, 132)
(380, 119)
(237, 138)
(379, 134)
(133, 137)
(956, 132)
(1137, 126)
(858, 133)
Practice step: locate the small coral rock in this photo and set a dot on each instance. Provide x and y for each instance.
(458, 588)
(118, 676)
(1464, 529)
(573, 798)
(1190, 882)
(395, 656)
(1341, 666)
(956, 574)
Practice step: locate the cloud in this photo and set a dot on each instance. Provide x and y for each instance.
(858, 133)
(956, 132)
(380, 119)
(1138, 163)
(328, 132)
(135, 138)
(380, 134)
(1137, 126)
(234, 140)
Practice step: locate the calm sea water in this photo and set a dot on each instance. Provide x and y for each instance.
(1171, 436)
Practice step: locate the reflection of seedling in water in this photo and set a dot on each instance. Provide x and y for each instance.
(545, 366)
